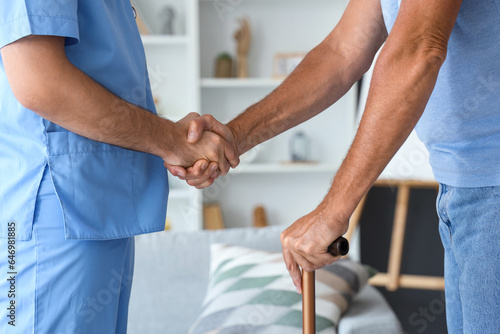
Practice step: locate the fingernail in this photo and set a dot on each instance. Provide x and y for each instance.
(192, 135)
(204, 166)
(214, 168)
(181, 174)
(298, 290)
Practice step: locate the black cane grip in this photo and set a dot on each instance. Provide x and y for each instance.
(339, 247)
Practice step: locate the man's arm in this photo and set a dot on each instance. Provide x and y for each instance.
(43, 80)
(324, 76)
(403, 80)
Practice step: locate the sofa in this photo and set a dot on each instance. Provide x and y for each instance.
(171, 276)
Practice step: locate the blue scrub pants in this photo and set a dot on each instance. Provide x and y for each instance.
(64, 286)
(470, 231)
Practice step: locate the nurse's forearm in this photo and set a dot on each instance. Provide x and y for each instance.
(43, 80)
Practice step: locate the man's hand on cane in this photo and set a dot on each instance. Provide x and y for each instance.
(305, 243)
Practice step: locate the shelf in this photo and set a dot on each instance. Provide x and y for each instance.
(262, 168)
(173, 117)
(181, 193)
(240, 83)
(160, 40)
(247, 0)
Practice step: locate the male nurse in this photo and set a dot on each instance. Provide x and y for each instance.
(440, 68)
(81, 163)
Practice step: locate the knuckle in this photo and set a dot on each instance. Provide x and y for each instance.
(210, 118)
(298, 245)
(285, 241)
(217, 140)
(283, 237)
(307, 248)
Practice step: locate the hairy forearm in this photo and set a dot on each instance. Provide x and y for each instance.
(43, 80)
(322, 78)
(98, 114)
(317, 82)
(401, 86)
(403, 80)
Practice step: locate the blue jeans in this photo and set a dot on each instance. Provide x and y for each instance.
(469, 225)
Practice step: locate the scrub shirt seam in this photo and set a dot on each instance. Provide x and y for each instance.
(36, 188)
(497, 3)
(132, 189)
(63, 212)
(37, 15)
(116, 236)
(85, 152)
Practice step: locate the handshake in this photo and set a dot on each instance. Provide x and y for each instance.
(201, 149)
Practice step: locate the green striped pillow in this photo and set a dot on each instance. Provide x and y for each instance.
(251, 292)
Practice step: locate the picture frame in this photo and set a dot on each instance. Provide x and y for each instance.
(285, 63)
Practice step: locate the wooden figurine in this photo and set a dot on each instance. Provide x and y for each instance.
(259, 217)
(212, 216)
(243, 37)
(167, 15)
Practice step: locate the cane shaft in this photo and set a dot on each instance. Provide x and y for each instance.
(339, 247)
(308, 303)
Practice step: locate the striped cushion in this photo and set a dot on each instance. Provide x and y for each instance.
(250, 292)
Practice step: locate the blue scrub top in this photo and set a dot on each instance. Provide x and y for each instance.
(105, 192)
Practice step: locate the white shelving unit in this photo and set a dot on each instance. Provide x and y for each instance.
(240, 83)
(287, 191)
(268, 168)
(164, 40)
(181, 69)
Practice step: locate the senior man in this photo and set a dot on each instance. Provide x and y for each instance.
(81, 170)
(439, 56)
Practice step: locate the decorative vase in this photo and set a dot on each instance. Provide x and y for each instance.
(224, 66)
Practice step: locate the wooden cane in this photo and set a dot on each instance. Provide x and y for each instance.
(339, 247)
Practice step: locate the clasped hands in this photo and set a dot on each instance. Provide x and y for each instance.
(205, 150)
(305, 242)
